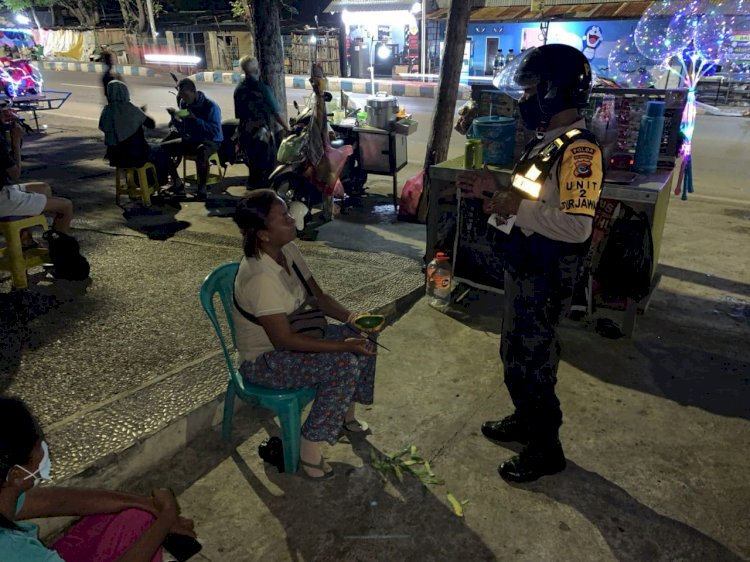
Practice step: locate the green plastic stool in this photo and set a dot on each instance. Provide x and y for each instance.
(286, 404)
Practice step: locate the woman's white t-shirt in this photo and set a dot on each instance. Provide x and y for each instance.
(262, 287)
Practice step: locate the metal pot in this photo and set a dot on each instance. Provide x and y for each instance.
(381, 110)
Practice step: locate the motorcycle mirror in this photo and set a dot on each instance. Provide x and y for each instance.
(174, 77)
(296, 105)
(328, 96)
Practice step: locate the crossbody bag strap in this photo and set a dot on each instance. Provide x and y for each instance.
(245, 314)
(303, 280)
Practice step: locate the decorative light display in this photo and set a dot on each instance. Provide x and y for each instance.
(697, 34)
(628, 66)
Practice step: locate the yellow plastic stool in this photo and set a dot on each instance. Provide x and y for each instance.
(147, 185)
(212, 177)
(13, 258)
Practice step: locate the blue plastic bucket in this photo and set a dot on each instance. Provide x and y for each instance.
(498, 136)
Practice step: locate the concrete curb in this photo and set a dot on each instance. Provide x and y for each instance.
(125, 70)
(335, 84)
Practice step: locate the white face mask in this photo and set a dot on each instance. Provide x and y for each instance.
(45, 467)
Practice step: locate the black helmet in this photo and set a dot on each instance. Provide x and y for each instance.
(561, 72)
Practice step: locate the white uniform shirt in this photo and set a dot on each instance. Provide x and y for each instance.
(565, 213)
(262, 288)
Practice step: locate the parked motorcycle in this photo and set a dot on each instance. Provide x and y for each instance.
(19, 77)
(291, 179)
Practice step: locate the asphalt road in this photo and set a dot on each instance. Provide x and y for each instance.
(720, 147)
(157, 94)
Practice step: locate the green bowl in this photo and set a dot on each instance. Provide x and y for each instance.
(369, 322)
(182, 113)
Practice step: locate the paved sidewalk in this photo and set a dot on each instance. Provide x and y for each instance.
(656, 428)
(110, 364)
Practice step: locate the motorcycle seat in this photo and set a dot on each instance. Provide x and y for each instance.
(338, 143)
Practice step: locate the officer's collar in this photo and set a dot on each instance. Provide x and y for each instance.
(552, 134)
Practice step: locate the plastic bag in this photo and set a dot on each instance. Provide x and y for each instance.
(326, 174)
(410, 196)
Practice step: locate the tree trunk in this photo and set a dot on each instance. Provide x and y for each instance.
(36, 19)
(134, 15)
(270, 48)
(84, 11)
(445, 107)
(141, 16)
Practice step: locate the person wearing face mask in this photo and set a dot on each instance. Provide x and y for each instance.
(547, 213)
(115, 527)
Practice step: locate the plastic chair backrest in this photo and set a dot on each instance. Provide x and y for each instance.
(221, 281)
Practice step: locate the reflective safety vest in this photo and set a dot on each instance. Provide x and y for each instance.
(530, 172)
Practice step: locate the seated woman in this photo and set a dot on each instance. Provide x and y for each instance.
(115, 527)
(122, 124)
(280, 347)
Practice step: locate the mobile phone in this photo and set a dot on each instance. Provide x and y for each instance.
(181, 547)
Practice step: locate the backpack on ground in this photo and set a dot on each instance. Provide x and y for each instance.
(65, 254)
(627, 259)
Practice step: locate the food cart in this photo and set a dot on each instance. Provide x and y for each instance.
(381, 139)
(459, 226)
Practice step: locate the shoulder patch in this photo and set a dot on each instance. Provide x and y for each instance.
(580, 178)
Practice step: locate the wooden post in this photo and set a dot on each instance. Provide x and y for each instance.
(445, 107)
(212, 51)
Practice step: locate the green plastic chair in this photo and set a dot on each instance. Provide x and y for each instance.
(286, 404)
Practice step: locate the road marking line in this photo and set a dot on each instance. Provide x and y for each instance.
(78, 85)
(76, 116)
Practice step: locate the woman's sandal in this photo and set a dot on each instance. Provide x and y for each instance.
(320, 466)
(356, 426)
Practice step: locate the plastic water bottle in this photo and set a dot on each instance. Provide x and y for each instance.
(438, 278)
(649, 138)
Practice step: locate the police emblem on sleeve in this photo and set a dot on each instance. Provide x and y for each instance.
(583, 170)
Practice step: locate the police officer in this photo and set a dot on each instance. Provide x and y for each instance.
(550, 204)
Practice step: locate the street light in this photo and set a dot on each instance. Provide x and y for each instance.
(22, 19)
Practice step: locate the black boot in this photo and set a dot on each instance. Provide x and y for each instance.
(536, 460)
(510, 428)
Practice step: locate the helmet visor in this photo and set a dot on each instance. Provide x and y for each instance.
(517, 76)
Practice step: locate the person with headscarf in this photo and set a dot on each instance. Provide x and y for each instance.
(122, 124)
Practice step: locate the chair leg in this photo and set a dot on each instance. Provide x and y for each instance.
(289, 419)
(118, 186)
(17, 261)
(145, 186)
(226, 426)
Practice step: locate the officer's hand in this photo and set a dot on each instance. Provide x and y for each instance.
(477, 184)
(505, 203)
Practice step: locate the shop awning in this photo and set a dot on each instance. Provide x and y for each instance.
(368, 5)
(515, 10)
